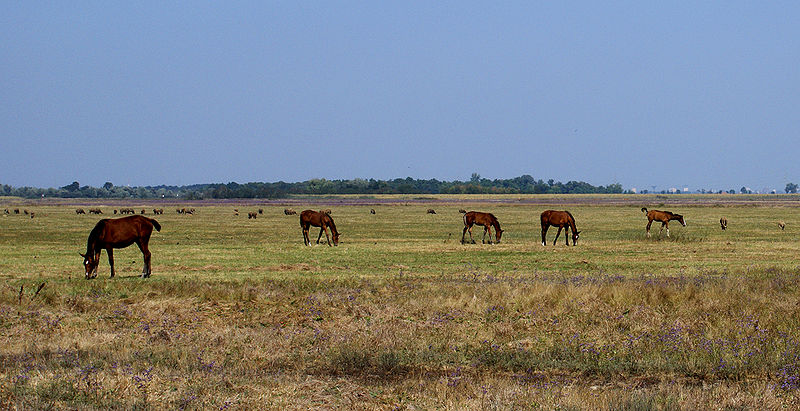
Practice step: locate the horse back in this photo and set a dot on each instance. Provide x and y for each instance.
(557, 218)
(121, 232)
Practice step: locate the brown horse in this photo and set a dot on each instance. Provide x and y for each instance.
(487, 220)
(723, 223)
(664, 217)
(560, 219)
(320, 219)
(111, 233)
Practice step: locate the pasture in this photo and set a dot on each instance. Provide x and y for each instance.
(401, 315)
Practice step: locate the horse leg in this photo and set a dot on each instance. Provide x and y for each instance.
(110, 252)
(557, 234)
(566, 235)
(470, 235)
(661, 231)
(146, 257)
(463, 233)
(649, 223)
(325, 227)
(483, 239)
(667, 225)
(320, 233)
(544, 234)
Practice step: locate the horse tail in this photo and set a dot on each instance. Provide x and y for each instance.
(156, 224)
(644, 209)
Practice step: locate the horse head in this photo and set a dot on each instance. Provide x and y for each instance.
(336, 235)
(575, 236)
(681, 220)
(498, 233)
(90, 263)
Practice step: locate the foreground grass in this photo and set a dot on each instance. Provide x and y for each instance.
(239, 313)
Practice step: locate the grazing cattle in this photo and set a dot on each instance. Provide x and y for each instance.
(260, 211)
(372, 211)
(782, 225)
(289, 211)
(80, 211)
(723, 223)
(320, 219)
(235, 211)
(431, 211)
(664, 217)
(95, 211)
(141, 212)
(487, 220)
(158, 211)
(252, 214)
(560, 219)
(462, 211)
(16, 211)
(115, 211)
(110, 233)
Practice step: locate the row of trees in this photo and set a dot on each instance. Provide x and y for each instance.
(476, 185)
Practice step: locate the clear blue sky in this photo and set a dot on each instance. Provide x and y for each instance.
(695, 94)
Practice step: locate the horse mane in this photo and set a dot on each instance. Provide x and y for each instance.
(94, 235)
(329, 220)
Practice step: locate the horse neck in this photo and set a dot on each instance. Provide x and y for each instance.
(496, 224)
(329, 222)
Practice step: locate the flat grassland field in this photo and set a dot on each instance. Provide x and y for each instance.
(401, 315)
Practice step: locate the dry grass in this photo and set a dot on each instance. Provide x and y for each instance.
(239, 314)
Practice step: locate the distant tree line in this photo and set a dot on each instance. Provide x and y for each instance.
(476, 185)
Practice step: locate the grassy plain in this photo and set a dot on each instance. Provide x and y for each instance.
(238, 313)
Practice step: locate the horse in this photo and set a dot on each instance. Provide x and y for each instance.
(80, 211)
(782, 225)
(320, 219)
(560, 219)
(664, 217)
(111, 233)
(723, 223)
(252, 214)
(431, 211)
(487, 220)
(289, 211)
(372, 211)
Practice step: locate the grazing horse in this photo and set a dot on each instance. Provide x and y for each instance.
(111, 233)
(560, 219)
(320, 219)
(80, 211)
(289, 211)
(664, 217)
(252, 214)
(431, 211)
(487, 220)
(723, 223)
(782, 225)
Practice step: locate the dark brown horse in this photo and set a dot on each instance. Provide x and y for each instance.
(320, 219)
(562, 220)
(664, 217)
(111, 233)
(723, 223)
(487, 220)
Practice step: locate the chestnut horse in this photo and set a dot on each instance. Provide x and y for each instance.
(320, 219)
(664, 217)
(560, 219)
(487, 220)
(111, 233)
